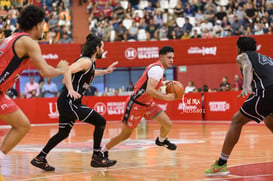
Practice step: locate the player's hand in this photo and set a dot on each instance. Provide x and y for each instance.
(74, 94)
(170, 97)
(112, 67)
(245, 92)
(63, 65)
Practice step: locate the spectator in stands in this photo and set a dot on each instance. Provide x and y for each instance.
(106, 32)
(199, 16)
(238, 83)
(121, 33)
(217, 29)
(209, 13)
(65, 38)
(128, 13)
(163, 32)
(190, 87)
(187, 27)
(226, 27)
(248, 31)
(150, 8)
(49, 89)
(137, 18)
(31, 87)
(107, 10)
(152, 30)
(199, 5)
(195, 34)
(178, 9)
(206, 25)
(221, 14)
(236, 25)
(225, 85)
(130, 86)
(134, 3)
(116, 92)
(132, 32)
(119, 11)
(41, 84)
(240, 13)
(250, 14)
(186, 35)
(158, 17)
(189, 10)
(173, 35)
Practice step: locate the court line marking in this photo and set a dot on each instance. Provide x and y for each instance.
(96, 170)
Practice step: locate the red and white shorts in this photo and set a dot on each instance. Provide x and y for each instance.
(134, 112)
(7, 105)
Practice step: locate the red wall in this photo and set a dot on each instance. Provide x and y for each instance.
(210, 74)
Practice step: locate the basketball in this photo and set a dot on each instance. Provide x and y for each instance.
(176, 88)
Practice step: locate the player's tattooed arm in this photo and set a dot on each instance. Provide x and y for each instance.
(247, 71)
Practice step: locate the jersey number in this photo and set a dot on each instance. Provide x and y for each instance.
(265, 60)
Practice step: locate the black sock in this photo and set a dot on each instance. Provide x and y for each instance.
(221, 162)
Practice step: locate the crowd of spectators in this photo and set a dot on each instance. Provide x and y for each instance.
(57, 27)
(121, 20)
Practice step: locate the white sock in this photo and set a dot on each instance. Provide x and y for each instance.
(2, 156)
(104, 149)
(161, 139)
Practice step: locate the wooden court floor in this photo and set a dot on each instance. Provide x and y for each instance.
(139, 159)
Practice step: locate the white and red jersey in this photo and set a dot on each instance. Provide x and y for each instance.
(11, 64)
(139, 93)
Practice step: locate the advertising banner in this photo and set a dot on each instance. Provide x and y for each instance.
(136, 54)
(222, 105)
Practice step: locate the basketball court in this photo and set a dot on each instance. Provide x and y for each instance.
(139, 159)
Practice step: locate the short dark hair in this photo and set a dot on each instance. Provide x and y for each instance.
(30, 16)
(166, 49)
(89, 47)
(246, 43)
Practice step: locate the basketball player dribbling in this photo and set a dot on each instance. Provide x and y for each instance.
(141, 103)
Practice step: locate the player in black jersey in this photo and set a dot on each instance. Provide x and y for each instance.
(257, 70)
(82, 72)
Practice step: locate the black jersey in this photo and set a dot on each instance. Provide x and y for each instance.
(262, 71)
(81, 80)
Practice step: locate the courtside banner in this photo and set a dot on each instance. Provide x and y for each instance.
(189, 107)
(136, 54)
(222, 105)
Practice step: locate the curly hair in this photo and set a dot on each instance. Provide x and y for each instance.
(246, 43)
(90, 46)
(30, 16)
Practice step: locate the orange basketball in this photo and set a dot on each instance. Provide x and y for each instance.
(176, 88)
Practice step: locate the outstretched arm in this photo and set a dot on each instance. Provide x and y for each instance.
(109, 69)
(31, 48)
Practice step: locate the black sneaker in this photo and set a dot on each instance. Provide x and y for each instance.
(42, 164)
(100, 159)
(166, 143)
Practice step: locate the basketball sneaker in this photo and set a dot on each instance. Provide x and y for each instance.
(100, 159)
(42, 164)
(166, 143)
(217, 170)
